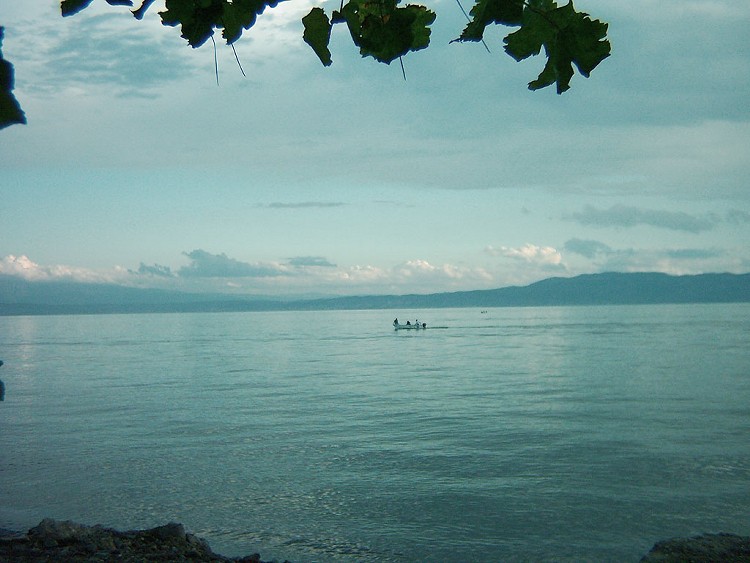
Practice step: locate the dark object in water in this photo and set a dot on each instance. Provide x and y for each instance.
(707, 548)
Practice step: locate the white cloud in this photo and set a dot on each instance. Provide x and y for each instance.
(206, 265)
(296, 276)
(532, 253)
(23, 267)
(412, 276)
(444, 275)
(209, 272)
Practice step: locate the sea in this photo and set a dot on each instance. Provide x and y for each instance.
(510, 434)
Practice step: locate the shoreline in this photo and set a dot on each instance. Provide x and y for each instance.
(56, 540)
(64, 540)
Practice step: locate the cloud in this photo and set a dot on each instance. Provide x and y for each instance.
(630, 259)
(737, 217)
(310, 261)
(676, 261)
(420, 275)
(23, 267)
(302, 275)
(587, 248)
(155, 270)
(91, 49)
(412, 276)
(693, 253)
(414, 268)
(545, 255)
(629, 216)
(206, 265)
(305, 204)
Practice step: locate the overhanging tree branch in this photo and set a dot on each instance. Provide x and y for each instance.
(383, 30)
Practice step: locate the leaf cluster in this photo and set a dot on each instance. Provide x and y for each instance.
(383, 30)
(197, 18)
(568, 37)
(380, 28)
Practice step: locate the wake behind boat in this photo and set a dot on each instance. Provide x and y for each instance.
(409, 326)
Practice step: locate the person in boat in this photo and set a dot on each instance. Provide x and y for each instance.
(395, 321)
(408, 323)
(417, 323)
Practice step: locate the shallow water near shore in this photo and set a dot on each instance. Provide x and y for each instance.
(559, 433)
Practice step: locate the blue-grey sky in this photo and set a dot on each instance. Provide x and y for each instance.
(135, 167)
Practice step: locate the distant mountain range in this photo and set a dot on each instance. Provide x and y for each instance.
(21, 297)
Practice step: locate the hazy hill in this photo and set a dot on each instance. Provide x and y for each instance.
(21, 297)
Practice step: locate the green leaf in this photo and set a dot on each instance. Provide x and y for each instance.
(485, 12)
(71, 7)
(140, 12)
(587, 43)
(420, 27)
(568, 38)
(235, 19)
(386, 32)
(242, 14)
(536, 31)
(318, 34)
(197, 18)
(10, 110)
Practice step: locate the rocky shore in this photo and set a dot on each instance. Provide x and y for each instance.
(64, 541)
(706, 548)
(69, 542)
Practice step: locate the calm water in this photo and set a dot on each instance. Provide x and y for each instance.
(516, 434)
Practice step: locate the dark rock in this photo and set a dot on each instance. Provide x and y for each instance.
(173, 530)
(57, 531)
(707, 548)
(54, 540)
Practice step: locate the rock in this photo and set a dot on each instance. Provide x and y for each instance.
(56, 530)
(54, 540)
(173, 530)
(706, 548)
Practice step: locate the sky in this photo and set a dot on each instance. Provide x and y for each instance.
(137, 168)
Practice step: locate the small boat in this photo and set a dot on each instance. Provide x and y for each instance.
(409, 326)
